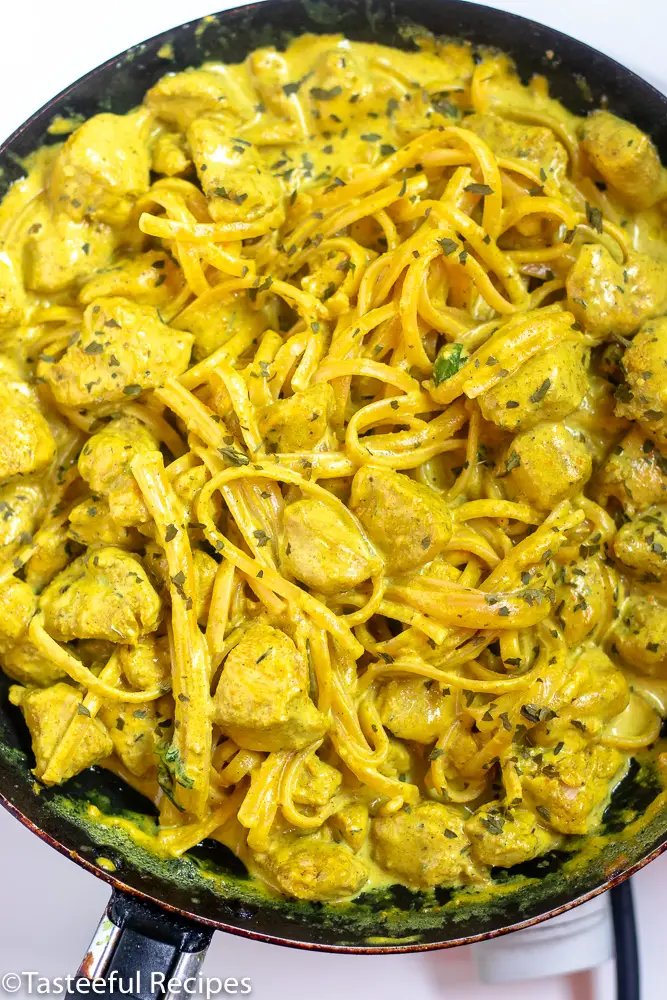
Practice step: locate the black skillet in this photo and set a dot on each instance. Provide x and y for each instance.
(161, 914)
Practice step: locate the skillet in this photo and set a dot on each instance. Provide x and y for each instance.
(162, 912)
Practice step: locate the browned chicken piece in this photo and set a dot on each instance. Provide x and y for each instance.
(18, 604)
(351, 824)
(640, 635)
(571, 796)
(582, 598)
(317, 783)
(502, 837)
(24, 663)
(634, 474)
(124, 349)
(232, 174)
(91, 524)
(547, 387)
(311, 868)
(104, 594)
(262, 700)
(149, 279)
(625, 157)
(134, 733)
(643, 395)
(321, 549)
(48, 713)
(214, 323)
(20, 506)
(410, 522)
(60, 252)
(53, 555)
(180, 98)
(102, 169)
(642, 544)
(26, 443)
(594, 692)
(414, 709)
(301, 421)
(609, 298)
(520, 141)
(105, 461)
(170, 155)
(147, 664)
(426, 846)
(546, 465)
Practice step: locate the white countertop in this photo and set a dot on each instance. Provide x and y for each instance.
(48, 906)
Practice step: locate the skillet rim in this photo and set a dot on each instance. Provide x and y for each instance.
(523, 26)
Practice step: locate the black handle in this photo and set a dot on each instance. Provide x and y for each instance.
(139, 950)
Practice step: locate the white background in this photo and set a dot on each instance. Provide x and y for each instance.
(48, 906)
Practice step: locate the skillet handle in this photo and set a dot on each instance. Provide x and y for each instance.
(138, 948)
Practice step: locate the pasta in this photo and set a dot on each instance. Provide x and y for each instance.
(334, 458)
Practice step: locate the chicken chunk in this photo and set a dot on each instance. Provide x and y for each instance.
(546, 465)
(48, 713)
(520, 141)
(317, 783)
(571, 797)
(20, 505)
(602, 690)
(18, 604)
(24, 663)
(608, 298)
(643, 395)
(102, 169)
(104, 594)
(582, 598)
(502, 837)
(147, 664)
(413, 709)
(133, 730)
(149, 279)
(640, 636)
(426, 846)
(310, 868)
(625, 157)
(594, 692)
(216, 322)
(91, 524)
(642, 544)
(300, 422)
(26, 444)
(12, 296)
(52, 555)
(124, 349)
(547, 387)
(635, 474)
(282, 120)
(104, 463)
(180, 98)
(60, 252)
(410, 522)
(236, 184)
(170, 155)
(320, 548)
(351, 824)
(261, 700)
